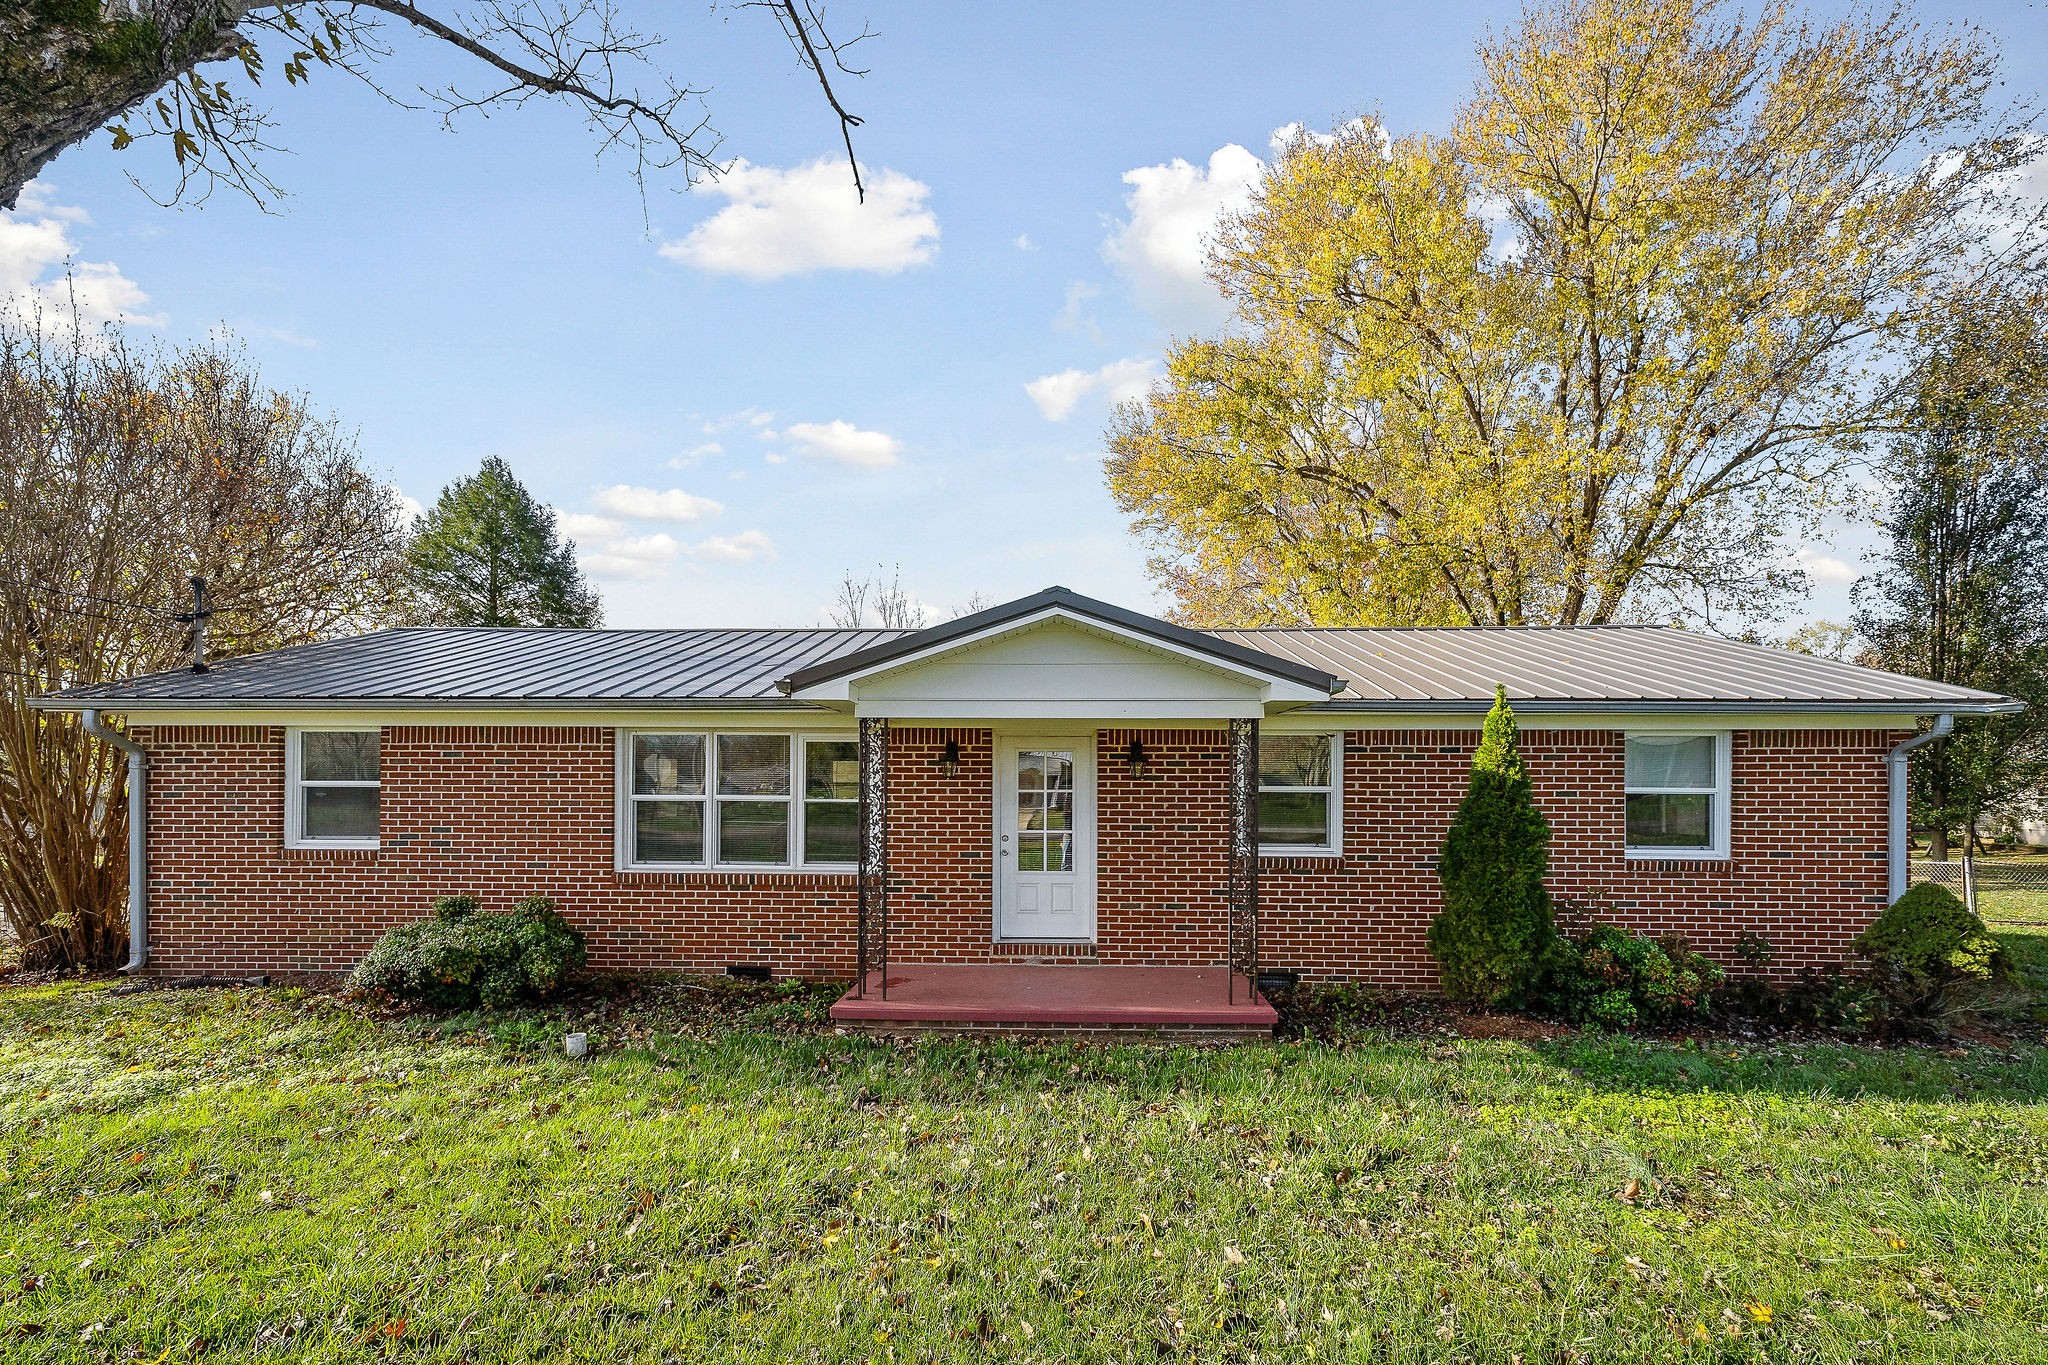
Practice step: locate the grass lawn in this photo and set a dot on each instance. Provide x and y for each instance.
(270, 1175)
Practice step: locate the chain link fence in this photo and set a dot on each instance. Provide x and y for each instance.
(2001, 888)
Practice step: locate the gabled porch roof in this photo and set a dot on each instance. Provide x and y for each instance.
(1144, 650)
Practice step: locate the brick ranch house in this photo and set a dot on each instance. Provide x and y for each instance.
(958, 817)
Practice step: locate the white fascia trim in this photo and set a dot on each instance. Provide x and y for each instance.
(1276, 689)
(1312, 719)
(784, 720)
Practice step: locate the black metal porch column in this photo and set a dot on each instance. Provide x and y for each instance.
(1243, 908)
(872, 926)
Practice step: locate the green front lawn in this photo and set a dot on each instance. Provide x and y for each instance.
(270, 1175)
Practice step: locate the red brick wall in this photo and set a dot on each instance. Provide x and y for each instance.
(941, 839)
(506, 812)
(1807, 843)
(1163, 876)
(499, 812)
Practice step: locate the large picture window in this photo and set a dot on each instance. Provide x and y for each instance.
(1298, 794)
(1675, 801)
(332, 788)
(734, 800)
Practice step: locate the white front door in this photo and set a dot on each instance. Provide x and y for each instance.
(1045, 839)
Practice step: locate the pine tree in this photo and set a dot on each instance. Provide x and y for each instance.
(1961, 591)
(1490, 939)
(488, 555)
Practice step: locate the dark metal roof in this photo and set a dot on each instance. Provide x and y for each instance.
(1560, 666)
(526, 666)
(1606, 667)
(1210, 643)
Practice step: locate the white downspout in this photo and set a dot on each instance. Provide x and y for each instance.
(138, 838)
(1895, 764)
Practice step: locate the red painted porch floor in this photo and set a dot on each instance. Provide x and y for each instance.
(1099, 997)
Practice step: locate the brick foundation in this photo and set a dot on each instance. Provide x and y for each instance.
(505, 812)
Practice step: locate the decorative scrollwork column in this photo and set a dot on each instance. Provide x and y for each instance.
(1243, 910)
(871, 931)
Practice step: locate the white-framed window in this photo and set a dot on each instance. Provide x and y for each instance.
(831, 813)
(1301, 795)
(716, 799)
(331, 788)
(1675, 795)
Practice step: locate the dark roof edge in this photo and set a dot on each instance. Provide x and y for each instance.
(1138, 623)
(60, 701)
(1916, 706)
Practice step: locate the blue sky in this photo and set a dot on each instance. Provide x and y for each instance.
(753, 387)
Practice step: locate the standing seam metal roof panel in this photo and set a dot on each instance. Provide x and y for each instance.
(1396, 667)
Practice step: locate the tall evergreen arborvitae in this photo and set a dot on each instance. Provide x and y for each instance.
(1490, 939)
(488, 555)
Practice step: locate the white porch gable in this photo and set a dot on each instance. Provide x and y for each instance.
(1059, 664)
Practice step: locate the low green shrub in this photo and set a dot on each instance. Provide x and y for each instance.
(1934, 961)
(1831, 997)
(464, 957)
(1617, 979)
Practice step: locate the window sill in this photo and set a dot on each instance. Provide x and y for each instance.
(1281, 854)
(1676, 855)
(742, 869)
(333, 845)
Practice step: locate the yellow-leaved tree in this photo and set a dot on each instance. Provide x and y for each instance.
(1597, 353)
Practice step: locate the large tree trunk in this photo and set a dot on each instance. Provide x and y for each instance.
(69, 67)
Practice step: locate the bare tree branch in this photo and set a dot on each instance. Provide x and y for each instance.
(797, 26)
(133, 69)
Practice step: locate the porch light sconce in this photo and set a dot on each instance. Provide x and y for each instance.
(948, 763)
(1141, 767)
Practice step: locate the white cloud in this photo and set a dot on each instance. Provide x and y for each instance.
(652, 556)
(757, 418)
(1504, 239)
(1024, 242)
(1823, 568)
(702, 451)
(1161, 248)
(739, 549)
(35, 245)
(633, 557)
(286, 336)
(778, 223)
(1074, 315)
(1120, 381)
(408, 506)
(844, 443)
(2017, 203)
(648, 504)
(1285, 135)
(581, 526)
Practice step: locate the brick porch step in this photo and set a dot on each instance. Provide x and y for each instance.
(1008, 997)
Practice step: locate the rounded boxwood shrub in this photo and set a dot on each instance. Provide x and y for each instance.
(1933, 959)
(463, 957)
(1617, 979)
